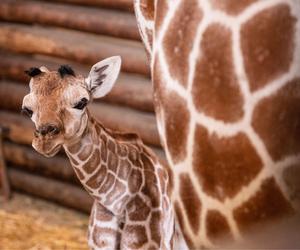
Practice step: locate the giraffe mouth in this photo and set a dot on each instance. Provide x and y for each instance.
(47, 149)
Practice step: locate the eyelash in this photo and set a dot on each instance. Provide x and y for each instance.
(81, 104)
(26, 111)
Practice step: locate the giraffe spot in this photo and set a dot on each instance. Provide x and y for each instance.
(215, 88)
(111, 146)
(133, 156)
(267, 204)
(137, 209)
(232, 7)
(147, 9)
(224, 165)
(103, 151)
(150, 189)
(217, 226)
(135, 180)
(121, 150)
(155, 227)
(118, 190)
(112, 162)
(78, 173)
(191, 202)
(291, 177)
(75, 148)
(102, 214)
(179, 39)
(136, 236)
(73, 161)
(85, 152)
(177, 120)
(160, 13)
(96, 180)
(124, 169)
(267, 42)
(179, 217)
(109, 181)
(276, 119)
(91, 165)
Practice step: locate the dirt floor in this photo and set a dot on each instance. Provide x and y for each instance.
(30, 223)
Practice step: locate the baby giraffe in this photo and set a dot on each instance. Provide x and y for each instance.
(132, 209)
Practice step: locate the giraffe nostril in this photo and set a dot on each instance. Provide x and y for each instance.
(53, 130)
(47, 129)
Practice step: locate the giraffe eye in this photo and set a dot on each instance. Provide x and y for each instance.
(26, 111)
(81, 104)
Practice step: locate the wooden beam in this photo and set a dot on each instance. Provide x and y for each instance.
(27, 159)
(5, 186)
(73, 45)
(130, 90)
(112, 4)
(49, 189)
(94, 20)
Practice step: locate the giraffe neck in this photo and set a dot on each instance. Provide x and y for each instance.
(96, 158)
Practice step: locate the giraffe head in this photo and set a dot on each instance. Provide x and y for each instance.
(57, 102)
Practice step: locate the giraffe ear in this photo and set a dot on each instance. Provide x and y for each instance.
(103, 76)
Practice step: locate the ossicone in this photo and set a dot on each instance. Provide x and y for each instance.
(65, 70)
(33, 72)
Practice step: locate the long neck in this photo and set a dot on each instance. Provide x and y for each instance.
(96, 158)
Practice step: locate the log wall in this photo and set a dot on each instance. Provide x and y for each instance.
(78, 33)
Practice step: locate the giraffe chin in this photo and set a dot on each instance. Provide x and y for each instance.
(46, 149)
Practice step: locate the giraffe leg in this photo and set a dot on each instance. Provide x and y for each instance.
(103, 230)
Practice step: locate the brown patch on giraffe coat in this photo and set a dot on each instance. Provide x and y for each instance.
(85, 152)
(96, 180)
(177, 120)
(102, 214)
(118, 190)
(155, 227)
(136, 236)
(137, 209)
(216, 90)
(217, 226)
(179, 217)
(232, 7)
(103, 151)
(267, 204)
(276, 119)
(135, 180)
(224, 165)
(111, 146)
(91, 165)
(124, 169)
(121, 150)
(179, 39)
(150, 188)
(75, 148)
(73, 161)
(267, 42)
(112, 162)
(147, 9)
(160, 13)
(109, 181)
(78, 173)
(291, 177)
(191, 202)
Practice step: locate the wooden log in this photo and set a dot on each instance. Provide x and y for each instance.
(112, 4)
(4, 182)
(113, 117)
(130, 90)
(49, 189)
(105, 22)
(73, 45)
(27, 159)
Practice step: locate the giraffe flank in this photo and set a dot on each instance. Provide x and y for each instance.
(129, 185)
(226, 79)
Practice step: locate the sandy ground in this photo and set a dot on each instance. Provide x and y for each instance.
(30, 223)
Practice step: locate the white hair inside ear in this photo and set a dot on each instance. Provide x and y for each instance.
(103, 76)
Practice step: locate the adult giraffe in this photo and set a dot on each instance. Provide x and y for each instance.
(226, 79)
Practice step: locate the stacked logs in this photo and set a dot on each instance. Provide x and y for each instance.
(78, 33)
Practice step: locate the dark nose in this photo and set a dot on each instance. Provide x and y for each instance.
(48, 129)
